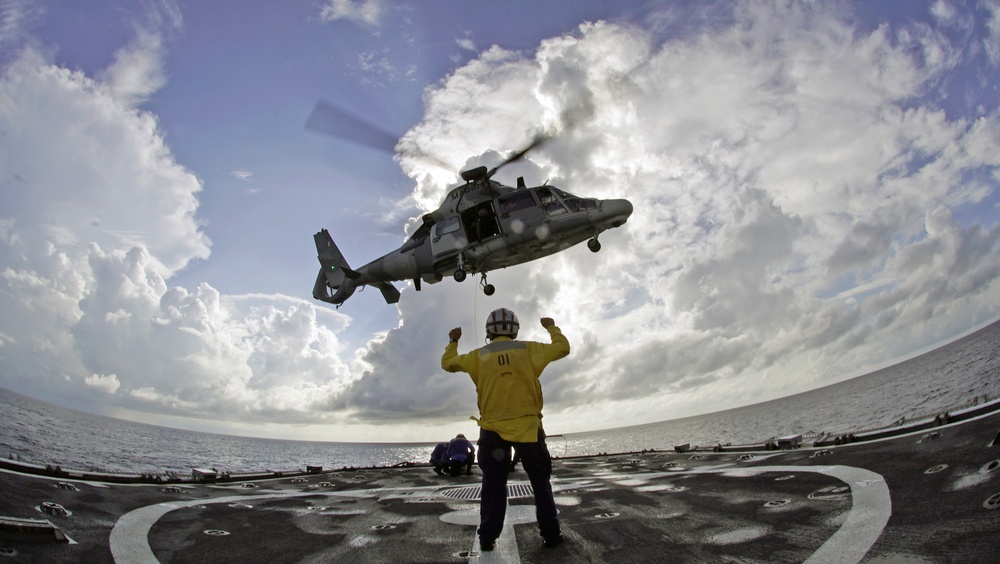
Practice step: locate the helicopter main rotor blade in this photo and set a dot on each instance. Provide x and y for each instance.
(331, 120)
(538, 141)
(568, 119)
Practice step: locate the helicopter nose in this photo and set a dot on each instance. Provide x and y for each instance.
(617, 210)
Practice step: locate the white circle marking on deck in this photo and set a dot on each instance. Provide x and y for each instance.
(870, 511)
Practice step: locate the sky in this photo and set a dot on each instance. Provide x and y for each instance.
(816, 189)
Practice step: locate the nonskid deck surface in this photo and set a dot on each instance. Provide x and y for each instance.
(931, 496)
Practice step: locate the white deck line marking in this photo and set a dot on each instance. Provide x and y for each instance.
(871, 507)
(870, 512)
(130, 535)
(505, 549)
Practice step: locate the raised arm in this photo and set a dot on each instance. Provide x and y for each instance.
(559, 346)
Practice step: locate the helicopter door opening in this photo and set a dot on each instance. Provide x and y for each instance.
(481, 222)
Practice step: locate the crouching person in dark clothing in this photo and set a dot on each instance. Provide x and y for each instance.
(461, 454)
(439, 458)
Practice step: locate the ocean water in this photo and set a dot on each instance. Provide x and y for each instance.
(956, 375)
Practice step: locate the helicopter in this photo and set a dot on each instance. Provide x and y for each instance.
(481, 226)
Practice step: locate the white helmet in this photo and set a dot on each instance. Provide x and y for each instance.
(502, 323)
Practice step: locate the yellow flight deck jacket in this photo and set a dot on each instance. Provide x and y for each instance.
(506, 373)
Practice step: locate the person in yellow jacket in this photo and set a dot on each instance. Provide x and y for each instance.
(506, 374)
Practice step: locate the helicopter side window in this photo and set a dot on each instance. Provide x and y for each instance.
(515, 201)
(548, 201)
(447, 226)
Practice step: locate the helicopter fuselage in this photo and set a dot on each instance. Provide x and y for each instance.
(481, 226)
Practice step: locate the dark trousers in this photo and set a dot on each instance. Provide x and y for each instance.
(494, 461)
(455, 467)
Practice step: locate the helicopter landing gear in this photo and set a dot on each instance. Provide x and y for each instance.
(460, 271)
(594, 245)
(488, 288)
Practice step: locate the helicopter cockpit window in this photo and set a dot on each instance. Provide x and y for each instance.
(548, 201)
(580, 204)
(515, 201)
(545, 196)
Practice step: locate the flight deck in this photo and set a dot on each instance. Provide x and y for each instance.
(928, 495)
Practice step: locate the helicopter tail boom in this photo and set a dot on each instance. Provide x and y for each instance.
(335, 274)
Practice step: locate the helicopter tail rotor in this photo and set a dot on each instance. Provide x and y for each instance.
(334, 272)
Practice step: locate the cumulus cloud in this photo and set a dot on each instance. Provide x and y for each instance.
(168, 351)
(801, 215)
(774, 164)
(129, 192)
(107, 383)
(97, 217)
